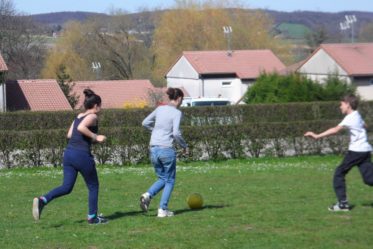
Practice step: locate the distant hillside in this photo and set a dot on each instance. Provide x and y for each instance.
(145, 21)
(314, 20)
(59, 18)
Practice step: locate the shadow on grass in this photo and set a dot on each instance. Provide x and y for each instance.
(368, 204)
(180, 211)
(117, 215)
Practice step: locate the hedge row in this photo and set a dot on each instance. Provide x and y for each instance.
(199, 116)
(129, 145)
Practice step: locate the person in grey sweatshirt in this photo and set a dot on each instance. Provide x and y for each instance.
(164, 123)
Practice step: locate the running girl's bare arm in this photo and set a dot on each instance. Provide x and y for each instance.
(70, 132)
(90, 120)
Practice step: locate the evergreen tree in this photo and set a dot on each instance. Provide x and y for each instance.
(66, 84)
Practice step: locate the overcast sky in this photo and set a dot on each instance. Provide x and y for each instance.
(104, 6)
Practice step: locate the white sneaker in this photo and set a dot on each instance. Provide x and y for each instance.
(339, 207)
(145, 201)
(164, 213)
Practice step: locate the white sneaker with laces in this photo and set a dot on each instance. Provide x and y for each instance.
(164, 213)
(145, 201)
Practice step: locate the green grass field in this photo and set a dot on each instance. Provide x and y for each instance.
(256, 203)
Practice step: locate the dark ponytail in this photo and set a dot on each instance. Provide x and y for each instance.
(91, 99)
(174, 93)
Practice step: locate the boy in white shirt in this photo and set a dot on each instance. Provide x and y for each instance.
(358, 151)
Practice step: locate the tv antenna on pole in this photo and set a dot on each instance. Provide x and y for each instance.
(349, 24)
(96, 67)
(228, 34)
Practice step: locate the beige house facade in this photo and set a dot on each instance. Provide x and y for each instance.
(351, 62)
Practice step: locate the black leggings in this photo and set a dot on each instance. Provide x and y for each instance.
(75, 161)
(363, 161)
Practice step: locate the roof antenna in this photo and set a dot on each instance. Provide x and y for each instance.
(96, 67)
(228, 34)
(349, 24)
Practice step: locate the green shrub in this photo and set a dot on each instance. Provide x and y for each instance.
(275, 88)
(335, 88)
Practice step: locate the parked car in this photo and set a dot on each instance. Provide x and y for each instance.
(187, 101)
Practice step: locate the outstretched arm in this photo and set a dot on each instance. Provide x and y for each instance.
(328, 132)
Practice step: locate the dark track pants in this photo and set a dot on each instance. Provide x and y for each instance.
(75, 161)
(360, 159)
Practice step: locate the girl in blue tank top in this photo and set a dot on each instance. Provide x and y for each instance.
(78, 158)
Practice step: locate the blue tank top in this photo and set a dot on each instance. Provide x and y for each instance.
(78, 141)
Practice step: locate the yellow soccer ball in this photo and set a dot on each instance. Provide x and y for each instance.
(195, 201)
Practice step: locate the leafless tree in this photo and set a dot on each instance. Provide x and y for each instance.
(123, 53)
(20, 43)
(156, 97)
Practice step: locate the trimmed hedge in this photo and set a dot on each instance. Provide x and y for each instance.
(195, 116)
(129, 145)
(35, 139)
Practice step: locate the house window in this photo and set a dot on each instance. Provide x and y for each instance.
(226, 84)
(371, 81)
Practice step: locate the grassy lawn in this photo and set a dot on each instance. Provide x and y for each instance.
(256, 203)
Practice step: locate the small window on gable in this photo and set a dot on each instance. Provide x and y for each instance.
(226, 83)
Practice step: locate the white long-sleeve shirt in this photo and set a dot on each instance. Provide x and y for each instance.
(164, 123)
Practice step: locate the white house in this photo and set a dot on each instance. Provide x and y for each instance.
(3, 70)
(352, 62)
(221, 73)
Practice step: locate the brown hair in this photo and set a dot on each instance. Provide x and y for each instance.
(91, 99)
(174, 93)
(352, 100)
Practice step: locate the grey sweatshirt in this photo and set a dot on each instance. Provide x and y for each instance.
(164, 123)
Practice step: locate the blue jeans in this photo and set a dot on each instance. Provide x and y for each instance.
(75, 161)
(164, 162)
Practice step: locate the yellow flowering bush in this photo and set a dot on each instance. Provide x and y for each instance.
(136, 104)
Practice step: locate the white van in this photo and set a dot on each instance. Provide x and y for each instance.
(188, 101)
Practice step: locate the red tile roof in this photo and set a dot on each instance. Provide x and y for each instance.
(3, 66)
(355, 58)
(115, 93)
(35, 95)
(246, 64)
